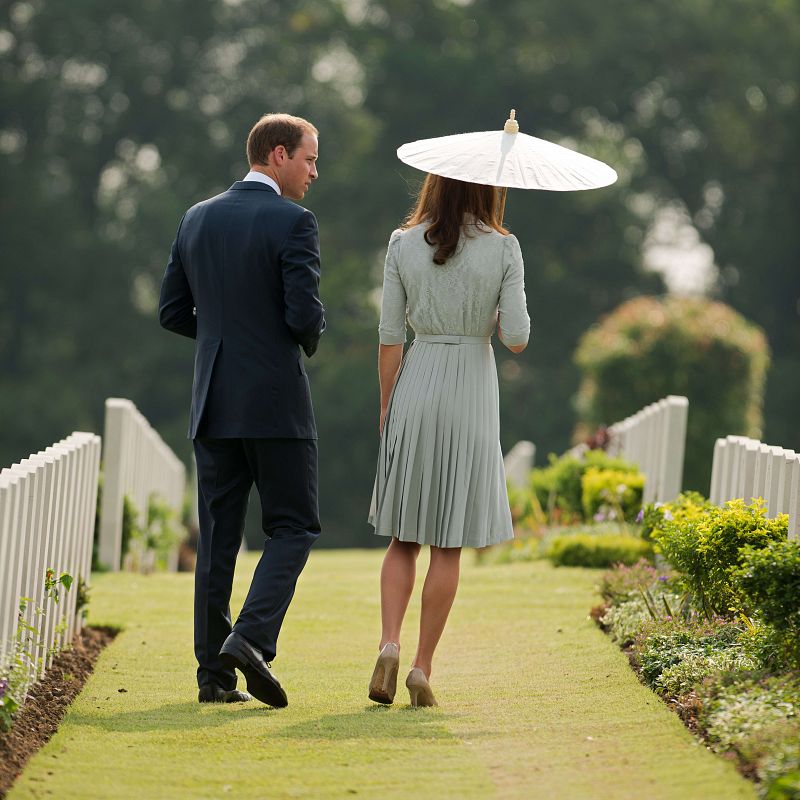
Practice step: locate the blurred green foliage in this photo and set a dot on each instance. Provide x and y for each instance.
(649, 348)
(116, 116)
(755, 721)
(707, 549)
(685, 509)
(601, 551)
(769, 581)
(559, 487)
(612, 494)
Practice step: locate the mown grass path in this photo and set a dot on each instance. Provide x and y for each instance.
(535, 702)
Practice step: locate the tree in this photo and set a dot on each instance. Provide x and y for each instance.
(116, 116)
(649, 348)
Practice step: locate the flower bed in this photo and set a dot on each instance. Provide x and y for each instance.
(583, 545)
(578, 511)
(715, 630)
(591, 487)
(47, 702)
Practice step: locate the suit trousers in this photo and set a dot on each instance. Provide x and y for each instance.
(284, 472)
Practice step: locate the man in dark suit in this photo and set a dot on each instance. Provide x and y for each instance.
(243, 281)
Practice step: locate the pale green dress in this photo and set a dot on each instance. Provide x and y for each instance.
(440, 478)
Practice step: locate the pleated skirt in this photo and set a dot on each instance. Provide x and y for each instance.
(440, 479)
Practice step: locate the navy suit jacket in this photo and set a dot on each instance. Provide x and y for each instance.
(243, 281)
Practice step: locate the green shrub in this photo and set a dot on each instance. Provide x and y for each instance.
(578, 529)
(706, 549)
(611, 493)
(768, 581)
(695, 667)
(518, 549)
(526, 512)
(9, 701)
(161, 532)
(529, 548)
(665, 643)
(558, 487)
(623, 579)
(649, 347)
(625, 620)
(97, 566)
(785, 787)
(758, 721)
(686, 507)
(164, 529)
(586, 550)
(130, 528)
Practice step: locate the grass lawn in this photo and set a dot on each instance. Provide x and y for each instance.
(535, 702)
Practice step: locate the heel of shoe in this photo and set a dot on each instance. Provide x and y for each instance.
(414, 692)
(232, 656)
(383, 685)
(419, 689)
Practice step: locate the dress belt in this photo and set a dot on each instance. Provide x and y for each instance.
(446, 339)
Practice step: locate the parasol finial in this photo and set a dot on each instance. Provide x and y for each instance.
(511, 126)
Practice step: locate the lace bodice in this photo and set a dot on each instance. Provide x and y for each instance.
(461, 297)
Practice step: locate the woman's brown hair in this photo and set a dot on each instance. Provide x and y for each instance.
(443, 203)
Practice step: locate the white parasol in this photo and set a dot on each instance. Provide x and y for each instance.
(508, 159)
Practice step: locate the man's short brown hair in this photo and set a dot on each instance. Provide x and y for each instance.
(275, 129)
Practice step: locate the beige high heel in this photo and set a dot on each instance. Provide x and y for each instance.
(384, 677)
(419, 689)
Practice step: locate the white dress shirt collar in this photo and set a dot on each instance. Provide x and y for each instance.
(260, 176)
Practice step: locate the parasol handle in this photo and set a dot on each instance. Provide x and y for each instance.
(511, 126)
(502, 211)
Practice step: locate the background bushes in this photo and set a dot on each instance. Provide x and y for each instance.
(706, 550)
(587, 550)
(650, 347)
(559, 487)
(768, 581)
(718, 636)
(611, 493)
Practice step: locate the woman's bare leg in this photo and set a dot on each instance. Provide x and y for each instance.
(397, 582)
(438, 594)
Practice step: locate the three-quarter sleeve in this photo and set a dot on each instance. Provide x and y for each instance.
(392, 328)
(515, 324)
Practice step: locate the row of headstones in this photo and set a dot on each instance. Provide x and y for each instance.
(654, 438)
(518, 463)
(748, 469)
(47, 510)
(139, 465)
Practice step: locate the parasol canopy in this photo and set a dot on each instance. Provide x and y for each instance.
(508, 159)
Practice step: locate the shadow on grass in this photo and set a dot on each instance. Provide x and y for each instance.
(177, 716)
(374, 723)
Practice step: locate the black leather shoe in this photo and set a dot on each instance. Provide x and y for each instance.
(211, 693)
(238, 653)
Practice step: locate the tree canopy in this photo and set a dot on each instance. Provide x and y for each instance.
(116, 116)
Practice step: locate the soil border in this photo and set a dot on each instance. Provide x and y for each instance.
(47, 702)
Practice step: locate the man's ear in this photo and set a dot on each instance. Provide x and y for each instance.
(279, 154)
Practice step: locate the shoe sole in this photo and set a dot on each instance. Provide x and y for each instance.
(233, 699)
(267, 690)
(223, 699)
(202, 699)
(383, 686)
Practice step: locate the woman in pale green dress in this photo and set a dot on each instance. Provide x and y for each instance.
(456, 275)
